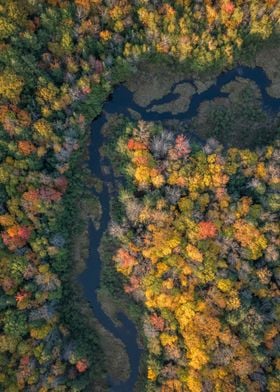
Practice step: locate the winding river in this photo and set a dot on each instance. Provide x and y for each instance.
(120, 101)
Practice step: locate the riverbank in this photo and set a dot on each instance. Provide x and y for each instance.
(233, 87)
(90, 278)
(237, 114)
(116, 365)
(111, 284)
(60, 61)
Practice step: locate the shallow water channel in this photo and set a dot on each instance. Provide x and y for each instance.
(120, 101)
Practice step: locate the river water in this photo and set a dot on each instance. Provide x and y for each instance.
(120, 101)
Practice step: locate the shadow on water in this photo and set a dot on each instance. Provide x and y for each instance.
(120, 102)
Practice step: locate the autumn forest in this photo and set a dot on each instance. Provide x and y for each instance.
(190, 252)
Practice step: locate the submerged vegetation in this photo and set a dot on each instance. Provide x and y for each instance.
(238, 120)
(58, 62)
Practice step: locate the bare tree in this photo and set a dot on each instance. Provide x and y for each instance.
(161, 144)
(116, 230)
(172, 194)
(211, 146)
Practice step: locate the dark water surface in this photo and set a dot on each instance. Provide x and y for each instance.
(120, 102)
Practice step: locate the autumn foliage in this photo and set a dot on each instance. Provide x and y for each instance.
(206, 230)
(201, 253)
(58, 62)
(82, 365)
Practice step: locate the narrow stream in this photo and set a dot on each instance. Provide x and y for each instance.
(90, 278)
(120, 102)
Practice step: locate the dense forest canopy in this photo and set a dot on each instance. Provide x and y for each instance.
(58, 63)
(199, 246)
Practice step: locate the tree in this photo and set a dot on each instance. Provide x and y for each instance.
(206, 230)
(15, 324)
(11, 86)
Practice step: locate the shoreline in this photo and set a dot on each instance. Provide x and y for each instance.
(116, 306)
(106, 336)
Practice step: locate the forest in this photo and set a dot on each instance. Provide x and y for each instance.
(59, 61)
(199, 244)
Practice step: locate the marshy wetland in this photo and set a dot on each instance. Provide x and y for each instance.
(239, 107)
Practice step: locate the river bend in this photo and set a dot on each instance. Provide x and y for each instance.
(120, 101)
